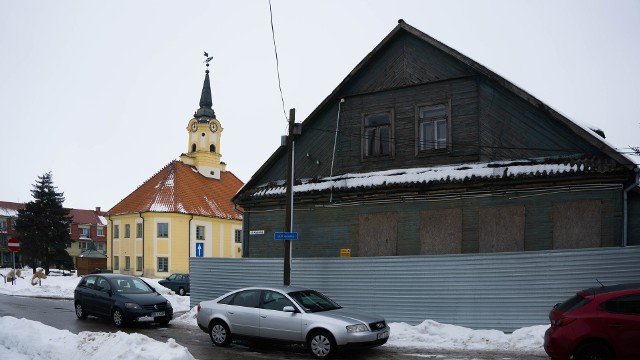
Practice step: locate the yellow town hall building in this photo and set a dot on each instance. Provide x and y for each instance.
(184, 210)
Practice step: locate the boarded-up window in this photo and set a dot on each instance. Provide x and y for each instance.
(577, 224)
(441, 232)
(501, 229)
(378, 234)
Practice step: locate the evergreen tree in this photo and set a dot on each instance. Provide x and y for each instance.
(43, 226)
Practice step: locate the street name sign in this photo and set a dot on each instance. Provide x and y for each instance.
(285, 236)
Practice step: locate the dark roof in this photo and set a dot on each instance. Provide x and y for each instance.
(92, 253)
(446, 174)
(205, 100)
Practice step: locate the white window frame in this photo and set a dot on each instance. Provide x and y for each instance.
(165, 262)
(200, 231)
(158, 234)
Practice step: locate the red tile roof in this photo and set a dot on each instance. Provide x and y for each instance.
(80, 216)
(180, 188)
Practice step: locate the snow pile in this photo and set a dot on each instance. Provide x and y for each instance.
(22, 339)
(433, 335)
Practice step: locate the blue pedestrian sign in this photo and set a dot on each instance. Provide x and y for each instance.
(199, 249)
(285, 236)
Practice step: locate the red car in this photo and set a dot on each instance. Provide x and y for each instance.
(600, 323)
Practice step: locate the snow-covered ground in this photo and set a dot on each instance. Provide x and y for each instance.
(22, 339)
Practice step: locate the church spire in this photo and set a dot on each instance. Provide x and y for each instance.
(206, 112)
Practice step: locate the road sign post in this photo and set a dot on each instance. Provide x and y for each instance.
(199, 249)
(13, 245)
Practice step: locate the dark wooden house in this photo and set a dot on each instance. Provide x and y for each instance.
(421, 150)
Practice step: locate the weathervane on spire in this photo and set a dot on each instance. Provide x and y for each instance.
(207, 59)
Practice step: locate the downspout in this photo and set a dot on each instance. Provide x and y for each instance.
(140, 214)
(625, 240)
(189, 254)
(111, 232)
(245, 236)
(333, 156)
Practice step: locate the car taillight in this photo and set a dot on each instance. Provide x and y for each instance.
(563, 321)
(198, 308)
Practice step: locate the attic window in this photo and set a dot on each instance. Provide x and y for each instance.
(377, 135)
(433, 127)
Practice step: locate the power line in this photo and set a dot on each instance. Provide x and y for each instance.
(275, 50)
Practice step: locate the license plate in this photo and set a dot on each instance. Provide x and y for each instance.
(383, 335)
(157, 313)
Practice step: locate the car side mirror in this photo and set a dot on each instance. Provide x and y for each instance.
(289, 308)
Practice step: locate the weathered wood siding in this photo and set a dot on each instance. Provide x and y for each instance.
(511, 128)
(488, 122)
(484, 223)
(633, 219)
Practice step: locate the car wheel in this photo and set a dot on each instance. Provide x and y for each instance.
(220, 334)
(593, 351)
(117, 317)
(321, 344)
(80, 313)
(181, 292)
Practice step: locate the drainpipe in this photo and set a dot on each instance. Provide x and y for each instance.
(140, 215)
(245, 234)
(625, 240)
(111, 232)
(189, 254)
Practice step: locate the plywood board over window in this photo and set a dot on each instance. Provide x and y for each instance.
(441, 232)
(378, 234)
(577, 224)
(501, 229)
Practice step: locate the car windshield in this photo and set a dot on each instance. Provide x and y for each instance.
(313, 301)
(131, 286)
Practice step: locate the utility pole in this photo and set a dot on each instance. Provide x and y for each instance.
(289, 206)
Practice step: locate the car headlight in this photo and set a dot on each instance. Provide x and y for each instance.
(357, 328)
(169, 305)
(132, 306)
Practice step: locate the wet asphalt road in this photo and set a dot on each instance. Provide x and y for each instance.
(60, 314)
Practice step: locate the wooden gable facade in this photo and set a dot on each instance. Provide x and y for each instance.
(420, 150)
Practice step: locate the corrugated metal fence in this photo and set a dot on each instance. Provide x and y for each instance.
(503, 291)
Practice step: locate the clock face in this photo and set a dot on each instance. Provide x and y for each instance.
(213, 127)
(194, 126)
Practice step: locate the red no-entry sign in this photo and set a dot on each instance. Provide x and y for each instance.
(13, 244)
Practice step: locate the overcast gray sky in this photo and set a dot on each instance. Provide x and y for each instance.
(100, 93)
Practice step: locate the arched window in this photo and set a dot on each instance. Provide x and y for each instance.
(212, 148)
(193, 147)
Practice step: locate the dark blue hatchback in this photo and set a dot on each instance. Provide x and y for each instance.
(121, 298)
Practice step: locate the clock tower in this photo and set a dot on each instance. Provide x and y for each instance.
(204, 136)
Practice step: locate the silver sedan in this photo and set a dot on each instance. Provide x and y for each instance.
(292, 315)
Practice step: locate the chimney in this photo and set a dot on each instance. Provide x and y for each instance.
(98, 209)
